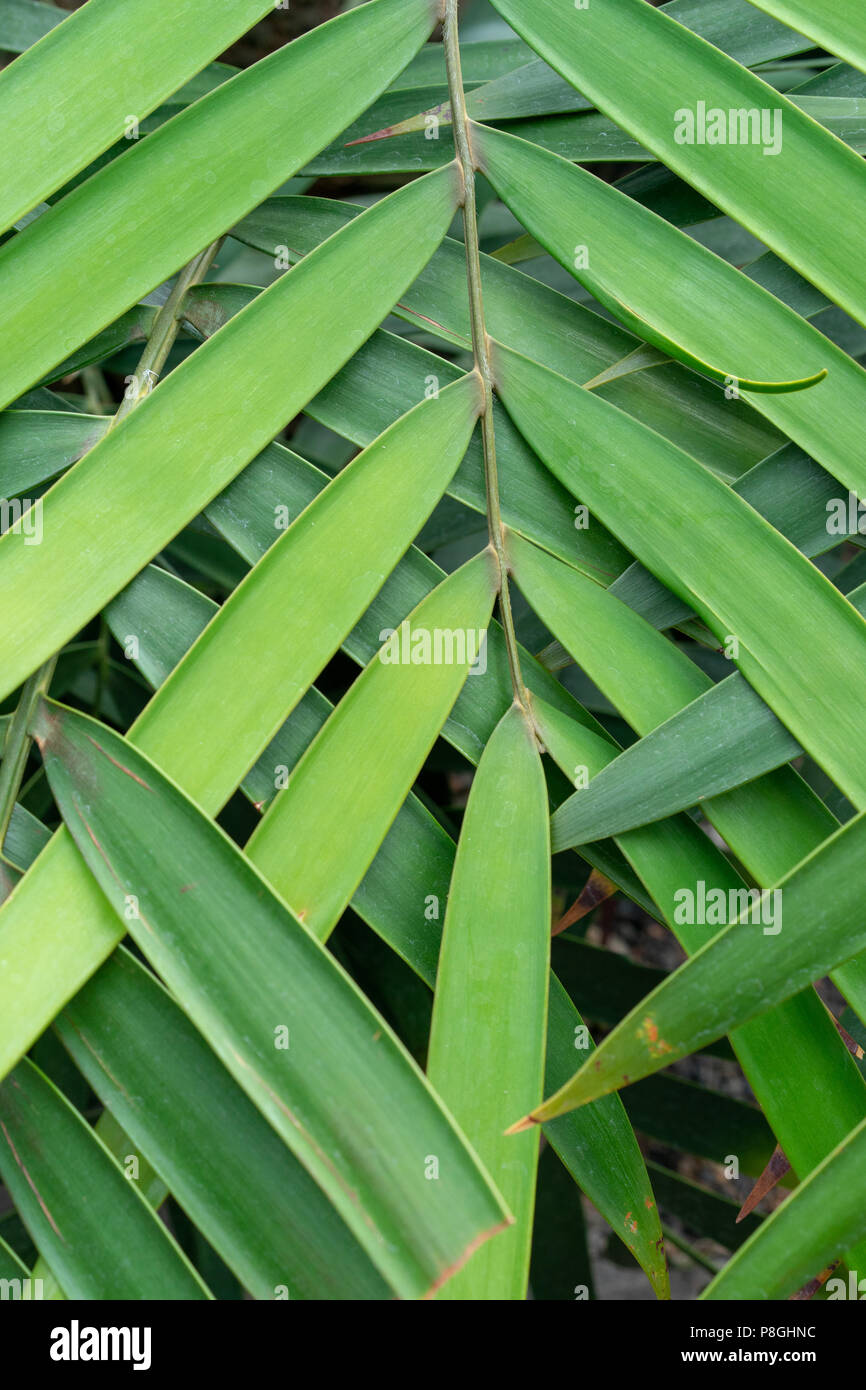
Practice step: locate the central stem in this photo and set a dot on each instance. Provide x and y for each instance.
(480, 343)
(164, 331)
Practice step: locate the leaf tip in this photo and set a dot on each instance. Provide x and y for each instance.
(526, 1123)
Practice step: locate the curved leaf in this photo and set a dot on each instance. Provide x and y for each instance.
(709, 315)
(291, 1027)
(649, 73)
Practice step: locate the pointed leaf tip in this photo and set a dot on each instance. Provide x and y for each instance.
(526, 1123)
(410, 126)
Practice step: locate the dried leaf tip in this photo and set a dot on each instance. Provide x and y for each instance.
(526, 1123)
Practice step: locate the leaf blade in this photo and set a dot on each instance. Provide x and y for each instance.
(154, 442)
(491, 989)
(220, 1159)
(245, 969)
(109, 1245)
(607, 50)
(141, 222)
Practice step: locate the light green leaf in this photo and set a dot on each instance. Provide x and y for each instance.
(260, 369)
(491, 989)
(369, 753)
(368, 515)
(106, 66)
(41, 969)
(788, 645)
(128, 228)
(839, 26)
(340, 1091)
(648, 74)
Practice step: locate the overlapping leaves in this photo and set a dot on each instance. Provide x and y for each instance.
(621, 464)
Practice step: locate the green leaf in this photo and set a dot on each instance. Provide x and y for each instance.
(491, 989)
(24, 22)
(644, 71)
(132, 225)
(801, 635)
(388, 139)
(370, 751)
(99, 1235)
(731, 25)
(9, 877)
(369, 514)
(107, 65)
(604, 984)
(37, 444)
(839, 27)
(793, 934)
(806, 1234)
(246, 1192)
(245, 970)
(535, 89)
(10, 1265)
(796, 496)
(414, 862)
(533, 319)
(42, 968)
(599, 1149)
(482, 60)
(725, 737)
(770, 825)
(261, 368)
(25, 838)
(709, 313)
(839, 80)
(560, 1252)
